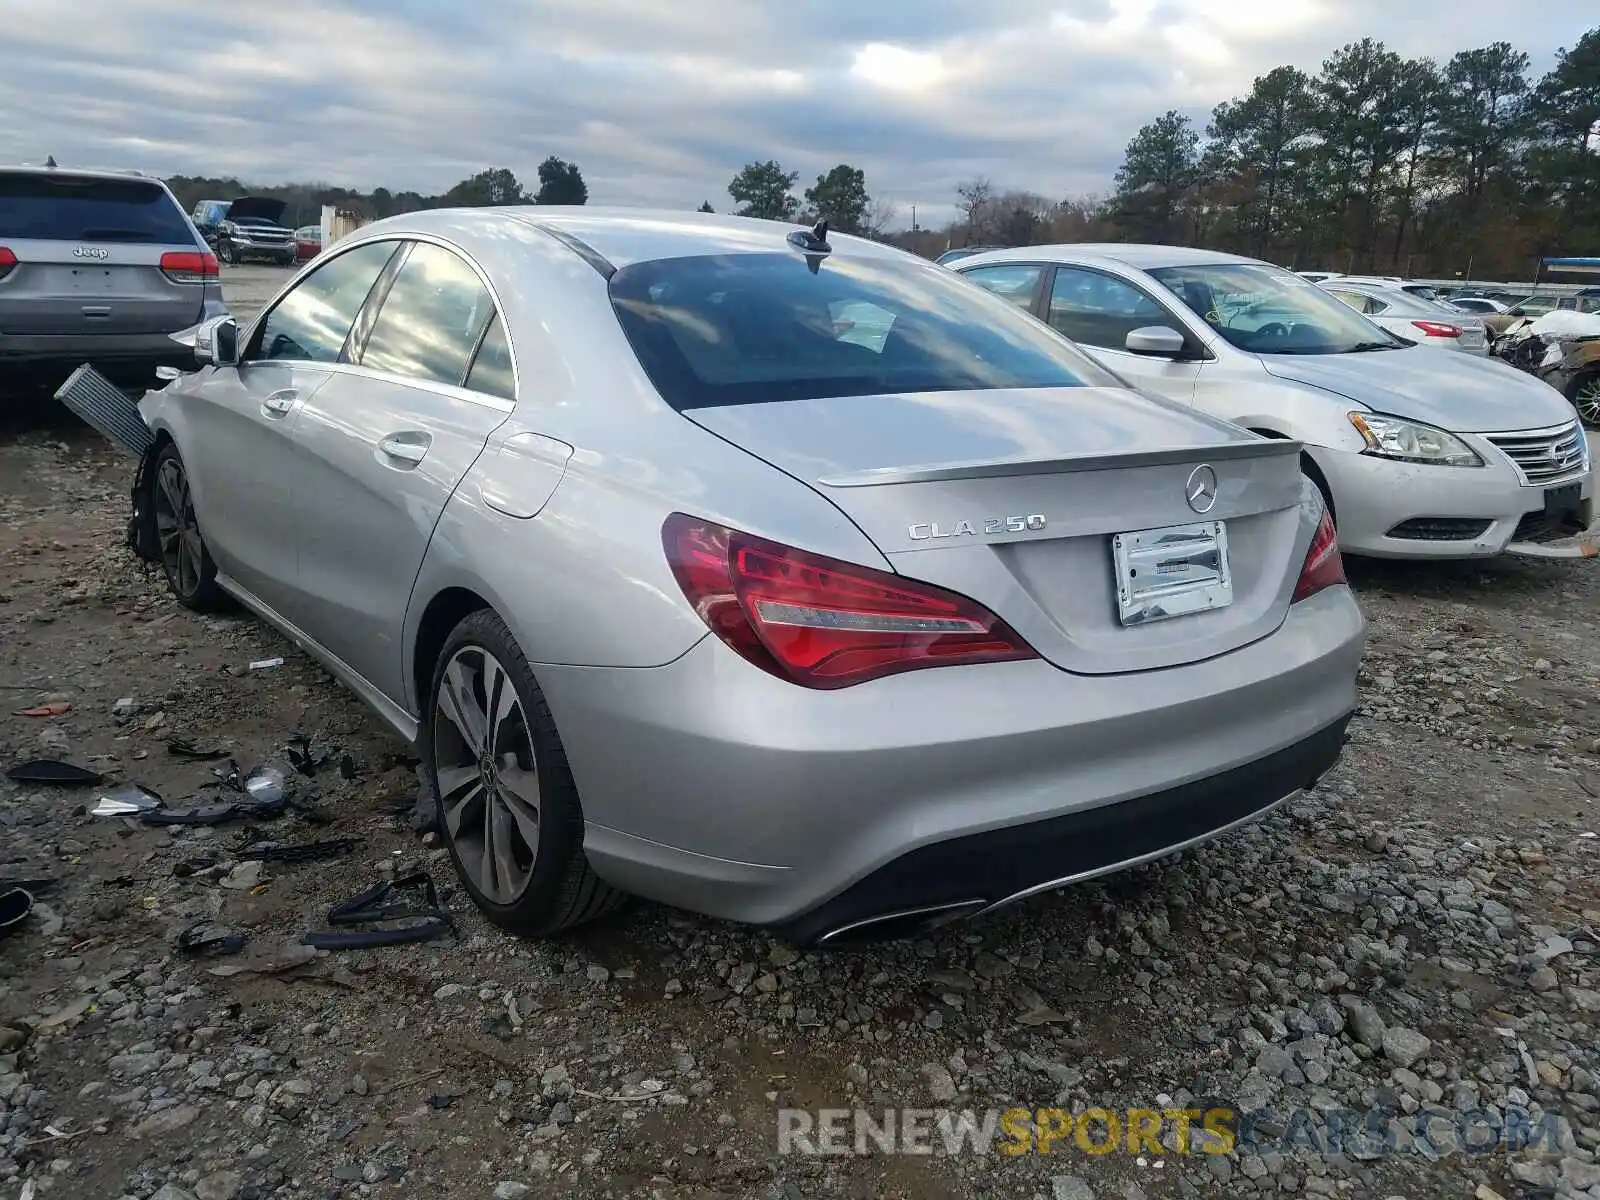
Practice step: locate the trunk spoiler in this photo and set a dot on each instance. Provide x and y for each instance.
(1002, 467)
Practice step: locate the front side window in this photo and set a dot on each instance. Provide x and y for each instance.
(764, 327)
(313, 319)
(1016, 282)
(1099, 310)
(1267, 310)
(431, 319)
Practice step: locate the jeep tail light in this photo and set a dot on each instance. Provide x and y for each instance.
(1438, 329)
(822, 623)
(189, 266)
(1324, 566)
(8, 259)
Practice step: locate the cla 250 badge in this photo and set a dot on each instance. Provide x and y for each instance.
(928, 530)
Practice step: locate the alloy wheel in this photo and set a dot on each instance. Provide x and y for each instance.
(488, 779)
(182, 551)
(1586, 398)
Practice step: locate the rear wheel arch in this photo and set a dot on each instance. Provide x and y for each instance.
(439, 619)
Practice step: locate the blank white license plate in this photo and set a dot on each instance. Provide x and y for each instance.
(1171, 572)
(1472, 337)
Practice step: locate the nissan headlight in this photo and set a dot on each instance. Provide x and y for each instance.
(1413, 442)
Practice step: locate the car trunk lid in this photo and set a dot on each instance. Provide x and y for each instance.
(1016, 499)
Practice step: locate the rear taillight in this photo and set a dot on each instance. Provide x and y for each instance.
(822, 623)
(7, 261)
(189, 266)
(1438, 329)
(1324, 566)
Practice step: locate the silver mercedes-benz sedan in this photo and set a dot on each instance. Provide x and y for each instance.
(1419, 455)
(765, 572)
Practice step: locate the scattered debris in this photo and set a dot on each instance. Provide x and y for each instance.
(426, 920)
(266, 664)
(301, 852)
(203, 939)
(15, 905)
(54, 708)
(54, 772)
(302, 759)
(184, 748)
(134, 800)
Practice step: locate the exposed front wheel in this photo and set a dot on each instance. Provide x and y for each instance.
(507, 803)
(1584, 392)
(185, 561)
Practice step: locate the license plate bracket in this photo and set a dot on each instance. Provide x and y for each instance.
(1563, 501)
(1171, 572)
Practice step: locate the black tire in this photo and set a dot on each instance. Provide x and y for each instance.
(1314, 473)
(185, 560)
(560, 890)
(225, 252)
(1584, 392)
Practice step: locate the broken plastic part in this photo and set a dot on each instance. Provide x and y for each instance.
(130, 801)
(55, 772)
(55, 708)
(265, 785)
(209, 941)
(373, 905)
(299, 852)
(266, 664)
(184, 748)
(15, 905)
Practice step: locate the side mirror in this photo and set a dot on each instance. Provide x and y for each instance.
(217, 341)
(1156, 341)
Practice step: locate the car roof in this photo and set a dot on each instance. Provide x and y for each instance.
(622, 236)
(78, 172)
(1143, 257)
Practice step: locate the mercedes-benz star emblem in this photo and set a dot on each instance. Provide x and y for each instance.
(1201, 490)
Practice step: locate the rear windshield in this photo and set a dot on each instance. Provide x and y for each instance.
(756, 328)
(64, 208)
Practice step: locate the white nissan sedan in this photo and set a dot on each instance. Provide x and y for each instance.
(1418, 454)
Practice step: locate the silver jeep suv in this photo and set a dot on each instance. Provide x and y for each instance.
(98, 267)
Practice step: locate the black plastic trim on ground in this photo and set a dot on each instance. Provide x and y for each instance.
(999, 863)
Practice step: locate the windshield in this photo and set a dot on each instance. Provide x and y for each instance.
(760, 328)
(70, 208)
(1267, 310)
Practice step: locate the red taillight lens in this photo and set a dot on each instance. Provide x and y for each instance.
(1438, 329)
(1324, 566)
(7, 260)
(189, 266)
(822, 623)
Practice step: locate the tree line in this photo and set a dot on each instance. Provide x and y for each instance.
(1378, 162)
(560, 182)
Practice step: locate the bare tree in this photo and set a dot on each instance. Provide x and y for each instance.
(878, 216)
(977, 196)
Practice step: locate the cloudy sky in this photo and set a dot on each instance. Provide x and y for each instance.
(660, 101)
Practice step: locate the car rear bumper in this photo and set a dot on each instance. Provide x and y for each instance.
(711, 785)
(111, 349)
(1460, 512)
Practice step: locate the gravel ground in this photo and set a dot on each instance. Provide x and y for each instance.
(1418, 937)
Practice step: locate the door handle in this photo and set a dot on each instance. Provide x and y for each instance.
(409, 448)
(279, 404)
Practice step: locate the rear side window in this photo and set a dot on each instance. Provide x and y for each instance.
(1017, 282)
(431, 319)
(755, 328)
(313, 319)
(491, 370)
(69, 208)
